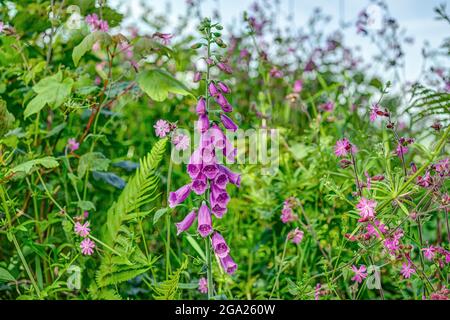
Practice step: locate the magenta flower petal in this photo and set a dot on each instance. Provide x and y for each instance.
(187, 222)
(204, 221)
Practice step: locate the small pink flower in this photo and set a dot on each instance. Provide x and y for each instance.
(87, 246)
(401, 150)
(181, 141)
(317, 291)
(342, 147)
(407, 270)
(72, 144)
(295, 236)
(287, 215)
(327, 106)
(203, 285)
(275, 73)
(96, 46)
(162, 128)
(360, 273)
(298, 86)
(82, 230)
(366, 209)
(429, 252)
(375, 111)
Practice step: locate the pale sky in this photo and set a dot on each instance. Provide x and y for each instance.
(416, 16)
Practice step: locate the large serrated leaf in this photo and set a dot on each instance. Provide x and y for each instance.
(158, 84)
(86, 44)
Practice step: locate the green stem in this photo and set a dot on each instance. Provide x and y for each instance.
(280, 268)
(209, 273)
(169, 181)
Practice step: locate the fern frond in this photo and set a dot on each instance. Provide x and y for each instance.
(426, 102)
(128, 261)
(168, 290)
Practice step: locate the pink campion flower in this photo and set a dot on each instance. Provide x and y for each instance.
(203, 285)
(407, 270)
(375, 227)
(164, 37)
(366, 209)
(287, 215)
(342, 147)
(425, 180)
(204, 221)
(295, 236)
(360, 273)
(327, 106)
(187, 222)
(401, 150)
(298, 86)
(219, 245)
(181, 141)
(443, 167)
(228, 264)
(87, 246)
(429, 252)
(1, 26)
(162, 128)
(82, 230)
(72, 144)
(392, 243)
(375, 111)
(180, 195)
(275, 73)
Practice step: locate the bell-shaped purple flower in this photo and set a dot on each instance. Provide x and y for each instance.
(219, 196)
(187, 222)
(223, 87)
(223, 102)
(199, 184)
(201, 106)
(204, 220)
(217, 210)
(228, 123)
(194, 170)
(210, 170)
(208, 155)
(230, 152)
(228, 264)
(203, 123)
(225, 67)
(179, 196)
(219, 245)
(235, 178)
(217, 136)
(197, 76)
(221, 180)
(213, 90)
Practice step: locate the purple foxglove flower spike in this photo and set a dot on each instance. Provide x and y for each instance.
(186, 223)
(201, 106)
(235, 178)
(219, 245)
(203, 123)
(213, 90)
(223, 87)
(228, 264)
(204, 220)
(199, 184)
(221, 180)
(228, 123)
(179, 196)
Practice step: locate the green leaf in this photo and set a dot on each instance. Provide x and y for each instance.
(158, 83)
(46, 162)
(93, 161)
(86, 205)
(5, 276)
(52, 91)
(196, 246)
(159, 214)
(86, 44)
